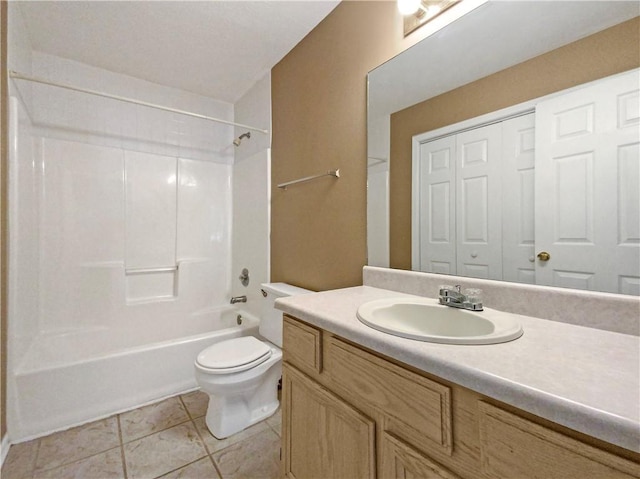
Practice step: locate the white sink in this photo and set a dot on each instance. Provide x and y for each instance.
(425, 319)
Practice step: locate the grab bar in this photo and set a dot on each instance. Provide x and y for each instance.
(163, 269)
(334, 173)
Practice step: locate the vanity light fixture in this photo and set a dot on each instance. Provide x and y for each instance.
(408, 7)
(418, 12)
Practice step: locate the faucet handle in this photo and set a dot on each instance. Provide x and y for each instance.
(244, 277)
(474, 295)
(444, 289)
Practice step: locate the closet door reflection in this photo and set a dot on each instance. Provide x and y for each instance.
(473, 191)
(547, 198)
(518, 183)
(478, 205)
(434, 222)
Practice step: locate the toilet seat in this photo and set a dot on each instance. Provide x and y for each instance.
(234, 355)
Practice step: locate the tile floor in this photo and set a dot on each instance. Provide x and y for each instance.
(168, 440)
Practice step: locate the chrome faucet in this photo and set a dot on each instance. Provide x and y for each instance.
(456, 299)
(238, 299)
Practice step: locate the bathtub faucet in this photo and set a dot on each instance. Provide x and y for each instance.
(238, 299)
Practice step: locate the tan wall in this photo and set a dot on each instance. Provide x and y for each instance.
(4, 136)
(611, 51)
(319, 98)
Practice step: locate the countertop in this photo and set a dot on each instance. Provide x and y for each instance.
(582, 378)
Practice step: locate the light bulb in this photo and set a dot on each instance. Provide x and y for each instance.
(433, 10)
(407, 7)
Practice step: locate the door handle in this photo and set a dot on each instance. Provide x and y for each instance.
(544, 256)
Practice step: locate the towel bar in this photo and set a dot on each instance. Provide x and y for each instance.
(334, 173)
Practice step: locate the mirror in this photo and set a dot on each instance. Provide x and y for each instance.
(499, 55)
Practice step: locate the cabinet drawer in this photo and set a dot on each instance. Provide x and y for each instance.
(511, 446)
(302, 345)
(414, 406)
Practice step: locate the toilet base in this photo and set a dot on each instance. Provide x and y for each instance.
(231, 413)
(224, 425)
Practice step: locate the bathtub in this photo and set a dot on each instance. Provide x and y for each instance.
(80, 376)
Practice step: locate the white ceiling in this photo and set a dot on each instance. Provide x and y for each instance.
(215, 48)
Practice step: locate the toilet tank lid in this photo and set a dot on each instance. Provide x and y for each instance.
(284, 289)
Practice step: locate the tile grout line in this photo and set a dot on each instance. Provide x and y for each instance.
(184, 405)
(178, 468)
(215, 466)
(122, 457)
(204, 443)
(35, 459)
(128, 441)
(273, 428)
(181, 423)
(66, 462)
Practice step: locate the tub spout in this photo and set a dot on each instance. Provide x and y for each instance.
(238, 299)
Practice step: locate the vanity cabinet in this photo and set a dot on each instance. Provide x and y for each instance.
(352, 413)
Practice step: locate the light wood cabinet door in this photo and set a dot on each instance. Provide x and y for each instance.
(513, 447)
(401, 461)
(323, 436)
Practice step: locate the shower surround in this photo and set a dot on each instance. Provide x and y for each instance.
(120, 242)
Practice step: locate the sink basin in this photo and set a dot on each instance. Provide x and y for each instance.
(425, 319)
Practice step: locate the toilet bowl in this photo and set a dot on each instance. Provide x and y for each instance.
(241, 375)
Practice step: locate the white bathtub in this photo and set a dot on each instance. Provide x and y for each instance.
(76, 377)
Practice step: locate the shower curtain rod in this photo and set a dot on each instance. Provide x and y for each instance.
(20, 76)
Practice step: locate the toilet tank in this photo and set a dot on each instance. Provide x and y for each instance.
(270, 317)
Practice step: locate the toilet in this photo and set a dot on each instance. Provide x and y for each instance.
(241, 375)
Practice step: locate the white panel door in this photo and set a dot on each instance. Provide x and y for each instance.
(478, 203)
(518, 237)
(435, 218)
(587, 180)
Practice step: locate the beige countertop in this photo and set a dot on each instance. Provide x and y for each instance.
(583, 378)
